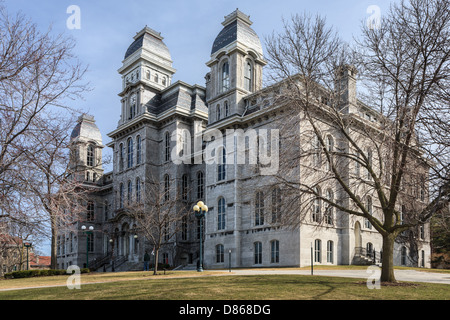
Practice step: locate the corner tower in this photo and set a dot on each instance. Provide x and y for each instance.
(235, 67)
(146, 71)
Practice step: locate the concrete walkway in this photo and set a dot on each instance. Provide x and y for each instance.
(400, 275)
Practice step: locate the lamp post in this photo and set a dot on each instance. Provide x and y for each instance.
(91, 228)
(27, 245)
(229, 260)
(200, 210)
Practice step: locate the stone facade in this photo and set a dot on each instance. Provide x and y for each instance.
(234, 98)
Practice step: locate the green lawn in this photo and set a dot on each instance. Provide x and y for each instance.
(189, 286)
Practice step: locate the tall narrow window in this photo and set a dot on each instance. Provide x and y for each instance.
(184, 229)
(259, 208)
(318, 251)
(329, 208)
(275, 251)
(200, 185)
(330, 250)
(90, 242)
(138, 189)
(121, 195)
(276, 205)
(138, 150)
(90, 156)
(221, 214)
(184, 187)
(167, 147)
(121, 157)
(106, 210)
(369, 210)
(221, 168)
(130, 153)
(316, 151)
(218, 113)
(225, 76)
(316, 206)
(330, 147)
(257, 252)
(132, 112)
(226, 108)
(403, 256)
(220, 253)
(90, 211)
(166, 187)
(248, 71)
(130, 192)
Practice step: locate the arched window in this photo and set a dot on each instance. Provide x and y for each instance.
(225, 76)
(200, 185)
(167, 146)
(316, 206)
(330, 250)
(259, 208)
(130, 153)
(147, 74)
(274, 251)
(184, 187)
(185, 151)
(218, 115)
(257, 252)
(220, 253)
(329, 208)
(248, 75)
(318, 250)
(90, 211)
(166, 187)
(90, 156)
(138, 189)
(276, 204)
(221, 168)
(164, 81)
(156, 79)
(221, 214)
(138, 150)
(369, 209)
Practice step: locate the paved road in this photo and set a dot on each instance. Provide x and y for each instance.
(400, 275)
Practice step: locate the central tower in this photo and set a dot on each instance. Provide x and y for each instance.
(236, 67)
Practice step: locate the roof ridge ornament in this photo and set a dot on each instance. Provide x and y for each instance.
(237, 15)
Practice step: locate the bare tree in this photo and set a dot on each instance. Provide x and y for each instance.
(160, 212)
(371, 155)
(38, 76)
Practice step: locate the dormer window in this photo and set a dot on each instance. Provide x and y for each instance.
(225, 76)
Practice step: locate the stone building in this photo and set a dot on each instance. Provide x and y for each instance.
(160, 121)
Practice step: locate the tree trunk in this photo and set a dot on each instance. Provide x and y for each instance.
(53, 261)
(155, 269)
(387, 269)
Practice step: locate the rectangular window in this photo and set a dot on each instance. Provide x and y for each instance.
(258, 252)
(275, 251)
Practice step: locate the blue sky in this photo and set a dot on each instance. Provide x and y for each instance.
(188, 27)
